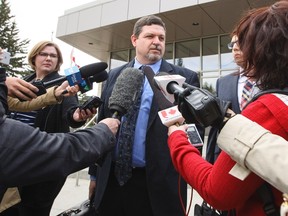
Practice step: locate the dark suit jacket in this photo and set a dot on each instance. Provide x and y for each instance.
(227, 90)
(162, 179)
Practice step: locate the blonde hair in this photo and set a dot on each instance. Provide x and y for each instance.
(38, 48)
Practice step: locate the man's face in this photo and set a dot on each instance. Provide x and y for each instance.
(150, 45)
(237, 53)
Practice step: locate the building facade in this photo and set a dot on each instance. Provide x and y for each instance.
(198, 31)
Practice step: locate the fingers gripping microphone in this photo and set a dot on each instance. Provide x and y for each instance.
(125, 91)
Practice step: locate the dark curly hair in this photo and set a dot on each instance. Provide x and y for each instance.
(263, 39)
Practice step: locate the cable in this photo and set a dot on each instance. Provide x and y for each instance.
(180, 197)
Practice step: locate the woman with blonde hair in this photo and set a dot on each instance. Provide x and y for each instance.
(45, 58)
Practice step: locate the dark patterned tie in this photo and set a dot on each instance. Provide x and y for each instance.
(246, 93)
(123, 163)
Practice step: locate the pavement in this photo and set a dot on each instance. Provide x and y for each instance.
(75, 191)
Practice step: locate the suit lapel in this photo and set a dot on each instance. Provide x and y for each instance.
(235, 93)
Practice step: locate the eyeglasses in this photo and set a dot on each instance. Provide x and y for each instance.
(44, 54)
(231, 44)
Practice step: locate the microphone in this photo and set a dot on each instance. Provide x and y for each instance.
(169, 84)
(99, 77)
(88, 84)
(91, 70)
(85, 71)
(171, 116)
(125, 92)
(195, 104)
(168, 114)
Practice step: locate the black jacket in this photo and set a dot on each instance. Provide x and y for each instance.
(162, 178)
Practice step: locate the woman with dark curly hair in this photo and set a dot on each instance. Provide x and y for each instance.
(263, 38)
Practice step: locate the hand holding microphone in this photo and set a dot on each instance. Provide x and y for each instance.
(95, 72)
(171, 117)
(196, 105)
(169, 113)
(64, 87)
(112, 123)
(174, 127)
(86, 75)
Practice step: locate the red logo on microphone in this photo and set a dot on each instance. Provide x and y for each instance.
(164, 114)
(171, 112)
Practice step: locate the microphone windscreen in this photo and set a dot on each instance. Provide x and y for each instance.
(126, 89)
(99, 77)
(92, 69)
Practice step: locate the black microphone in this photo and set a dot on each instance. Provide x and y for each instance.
(196, 105)
(125, 91)
(85, 72)
(99, 77)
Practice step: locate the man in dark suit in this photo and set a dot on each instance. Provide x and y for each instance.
(228, 88)
(154, 186)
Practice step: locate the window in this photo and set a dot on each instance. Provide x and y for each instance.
(210, 60)
(118, 58)
(187, 54)
(227, 61)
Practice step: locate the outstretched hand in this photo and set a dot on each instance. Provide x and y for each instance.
(19, 88)
(64, 87)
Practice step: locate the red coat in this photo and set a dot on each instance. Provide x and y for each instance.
(213, 182)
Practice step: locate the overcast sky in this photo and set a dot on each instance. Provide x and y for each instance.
(37, 20)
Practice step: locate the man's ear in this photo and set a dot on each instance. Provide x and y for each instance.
(133, 40)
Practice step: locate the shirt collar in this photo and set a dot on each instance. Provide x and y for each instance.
(155, 67)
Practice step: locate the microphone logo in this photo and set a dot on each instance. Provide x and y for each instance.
(166, 113)
(73, 76)
(171, 116)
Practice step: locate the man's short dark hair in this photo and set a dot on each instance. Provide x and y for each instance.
(147, 21)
